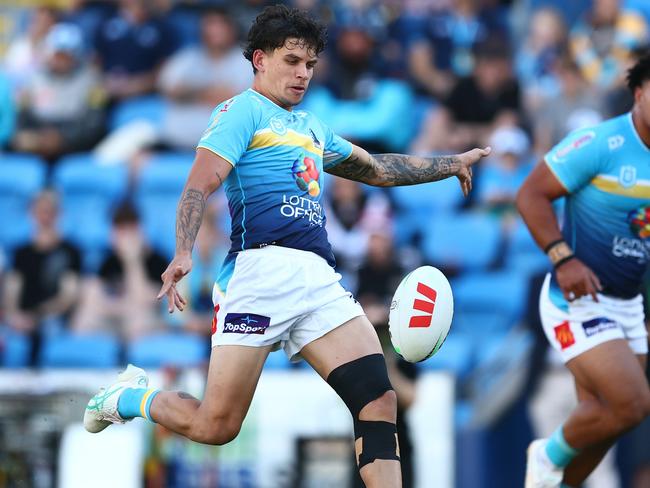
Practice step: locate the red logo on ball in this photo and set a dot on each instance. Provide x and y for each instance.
(424, 306)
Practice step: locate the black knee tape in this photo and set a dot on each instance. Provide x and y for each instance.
(360, 381)
(375, 440)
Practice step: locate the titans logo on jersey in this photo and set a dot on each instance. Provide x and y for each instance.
(274, 190)
(606, 170)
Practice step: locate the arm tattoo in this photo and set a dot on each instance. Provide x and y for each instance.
(188, 218)
(185, 396)
(397, 169)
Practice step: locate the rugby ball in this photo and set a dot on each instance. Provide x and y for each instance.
(420, 314)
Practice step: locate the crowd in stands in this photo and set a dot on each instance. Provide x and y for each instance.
(102, 103)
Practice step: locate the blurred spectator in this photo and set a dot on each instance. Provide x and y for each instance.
(577, 105)
(7, 112)
(378, 278)
(198, 78)
(209, 252)
(476, 105)
(123, 295)
(535, 59)
(442, 42)
(506, 169)
(351, 215)
(62, 107)
(43, 283)
(640, 6)
(355, 101)
(25, 54)
(131, 46)
(602, 42)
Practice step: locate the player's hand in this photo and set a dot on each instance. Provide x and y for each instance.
(179, 267)
(467, 160)
(577, 280)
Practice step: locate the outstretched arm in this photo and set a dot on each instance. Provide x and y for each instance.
(404, 169)
(207, 174)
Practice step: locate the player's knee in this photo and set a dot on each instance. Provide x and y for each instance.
(632, 412)
(216, 431)
(382, 408)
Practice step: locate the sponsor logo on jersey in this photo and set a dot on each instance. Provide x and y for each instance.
(245, 323)
(626, 247)
(615, 142)
(564, 335)
(277, 126)
(597, 325)
(426, 306)
(639, 220)
(302, 208)
(306, 175)
(627, 176)
(580, 142)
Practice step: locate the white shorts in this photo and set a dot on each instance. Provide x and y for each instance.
(282, 297)
(587, 323)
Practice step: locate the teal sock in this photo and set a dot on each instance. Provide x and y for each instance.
(564, 485)
(136, 402)
(559, 451)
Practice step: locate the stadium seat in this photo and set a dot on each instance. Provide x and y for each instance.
(416, 204)
(455, 356)
(15, 349)
(22, 176)
(167, 349)
(89, 194)
(68, 350)
(158, 189)
(502, 292)
(523, 253)
(150, 108)
(462, 241)
(481, 325)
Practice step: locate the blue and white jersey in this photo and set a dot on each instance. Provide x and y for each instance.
(275, 188)
(606, 170)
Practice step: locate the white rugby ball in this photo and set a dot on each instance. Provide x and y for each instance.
(420, 314)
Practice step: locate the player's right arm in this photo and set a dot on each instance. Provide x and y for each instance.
(207, 174)
(534, 202)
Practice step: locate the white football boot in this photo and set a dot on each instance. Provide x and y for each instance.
(540, 471)
(101, 410)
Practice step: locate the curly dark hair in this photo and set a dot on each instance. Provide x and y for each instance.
(276, 24)
(640, 72)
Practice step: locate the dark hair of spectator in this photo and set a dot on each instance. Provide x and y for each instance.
(495, 47)
(276, 24)
(125, 214)
(639, 73)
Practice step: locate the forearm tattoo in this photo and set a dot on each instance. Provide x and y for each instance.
(188, 218)
(397, 169)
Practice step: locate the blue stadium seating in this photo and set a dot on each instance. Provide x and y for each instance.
(167, 349)
(21, 178)
(157, 192)
(481, 325)
(523, 253)
(150, 108)
(502, 292)
(277, 360)
(416, 204)
(455, 356)
(67, 350)
(15, 349)
(463, 240)
(90, 193)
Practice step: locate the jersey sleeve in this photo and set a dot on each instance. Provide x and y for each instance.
(232, 125)
(575, 160)
(336, 149)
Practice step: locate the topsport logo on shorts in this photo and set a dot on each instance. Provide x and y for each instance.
(246, 323)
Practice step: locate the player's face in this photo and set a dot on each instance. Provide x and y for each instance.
(285, 73)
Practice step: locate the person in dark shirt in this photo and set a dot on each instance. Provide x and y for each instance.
(43, 283)
(131, 46)
(477, 104)
(122, 295)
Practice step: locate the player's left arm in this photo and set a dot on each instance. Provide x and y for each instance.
(403, 169)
